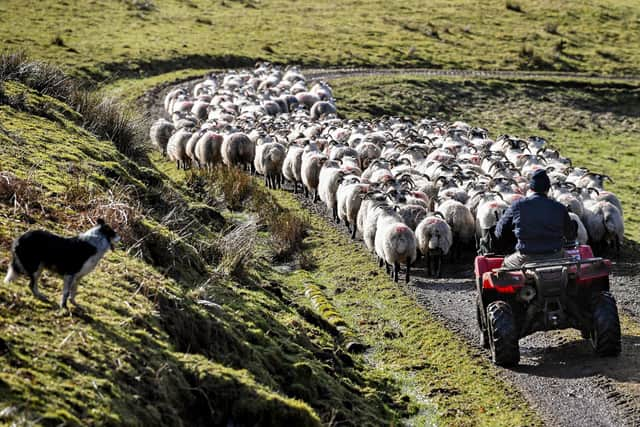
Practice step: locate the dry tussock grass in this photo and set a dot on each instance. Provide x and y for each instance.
(23, 194)
(236, 247)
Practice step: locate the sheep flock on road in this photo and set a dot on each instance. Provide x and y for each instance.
(410, 188)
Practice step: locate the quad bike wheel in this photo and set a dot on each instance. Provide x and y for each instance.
(503, 334)
(482, 328)
(605, 335)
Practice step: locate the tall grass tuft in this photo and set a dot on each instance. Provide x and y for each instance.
(239, 190)
(236, 247)
(105, 117)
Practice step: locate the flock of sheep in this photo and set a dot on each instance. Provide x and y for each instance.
(410, 188)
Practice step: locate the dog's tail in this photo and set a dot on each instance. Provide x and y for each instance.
(14, 270)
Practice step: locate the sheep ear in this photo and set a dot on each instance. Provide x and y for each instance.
(100, 221)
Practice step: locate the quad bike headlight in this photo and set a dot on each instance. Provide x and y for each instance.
(526, 294)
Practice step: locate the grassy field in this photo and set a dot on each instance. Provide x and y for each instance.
(110, 39)
(596, 125)
(175, 328)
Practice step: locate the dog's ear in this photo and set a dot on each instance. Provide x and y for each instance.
(100, 221)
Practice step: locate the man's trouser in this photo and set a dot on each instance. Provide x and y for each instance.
(517, 259)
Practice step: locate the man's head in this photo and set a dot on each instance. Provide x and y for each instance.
(540, 182)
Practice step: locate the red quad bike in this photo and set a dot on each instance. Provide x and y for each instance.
(570, 292)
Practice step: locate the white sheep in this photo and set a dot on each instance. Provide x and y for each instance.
(434, 238)
(322, 109)
(208, 149)
(349, 195)
(292, 166)
(395, 243)
(310, 168)
(160, 133)
(268, 161)
(462, 224)
(604, 223)
(582, 236)
(238, 150)
(177, 147)
(328, 182)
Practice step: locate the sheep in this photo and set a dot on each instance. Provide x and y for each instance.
(582, 236)
(369, 226)
(349, 197)
(321, 109)
(238, 149)
(200, 110)
(292, 165)
(604, 225)
(208, 149)
(170, 98)
(191, 146)
(462, 224)
(434, 238)
(328, 182)
(310, 172)
(177, 147)
(322, 90)
(307, 99)
(412, 214)
(160, 133)
(395, 243)
(268, 161)
(490, 209)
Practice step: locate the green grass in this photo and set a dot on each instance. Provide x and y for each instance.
(457, 386)
(112, 39)
(147, 350)
(596, 125)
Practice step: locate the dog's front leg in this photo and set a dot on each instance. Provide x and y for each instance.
(74, 290)
(68, 285)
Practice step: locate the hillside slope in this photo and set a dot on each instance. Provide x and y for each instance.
(154, 36)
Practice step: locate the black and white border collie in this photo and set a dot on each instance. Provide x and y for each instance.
(72, 257)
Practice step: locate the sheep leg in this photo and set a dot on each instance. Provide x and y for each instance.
(428, 264)
(439, 265)
(617, 243)
(353, 231)
(336, 218)
(381, 263)
(315, 196)
(407, 276)
(396, 270)
(306, 191)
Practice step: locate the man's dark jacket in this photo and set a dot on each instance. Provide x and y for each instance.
(540, 224)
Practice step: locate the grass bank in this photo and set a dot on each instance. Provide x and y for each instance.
(115, 39)
(596, 125)
(169, 333)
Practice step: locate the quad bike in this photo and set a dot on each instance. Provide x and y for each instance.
(570, 292)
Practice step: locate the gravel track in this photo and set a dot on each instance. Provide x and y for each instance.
(558, 373)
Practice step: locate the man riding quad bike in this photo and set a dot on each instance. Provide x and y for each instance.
(546, 284)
